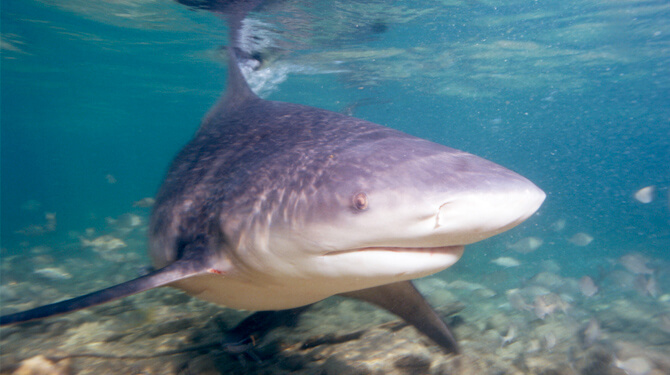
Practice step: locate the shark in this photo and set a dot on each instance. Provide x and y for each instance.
(274, 206)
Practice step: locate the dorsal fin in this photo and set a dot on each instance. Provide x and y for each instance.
(176, 271)
(237, 88)
(234, 12)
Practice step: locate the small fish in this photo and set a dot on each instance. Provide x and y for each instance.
(591, 334)
(622, 279)
(50, 225)
(465, 285)
(646, 286)
(53, 273)
(634, 366)
(549, 265)
(587, 286)
(635, 263)
(547, 304)
(103, 243)
(110, 179)
(547, 280)
(581, 239)
(32, 230)
(542, 308)
(40, 249)
(550, 341)
(31, 205)
(664, 322)
(506, 262)
(558, 225)
(534, 346)
(509, 337)
(38, 230)
(646, 194)
(516, 300)
(129, 221)
(144, 202)
(526, 245)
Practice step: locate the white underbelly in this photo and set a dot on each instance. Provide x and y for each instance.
(288, 294)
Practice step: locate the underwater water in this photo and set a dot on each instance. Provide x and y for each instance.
(96, 99)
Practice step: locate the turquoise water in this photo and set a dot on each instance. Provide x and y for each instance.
(574, 95)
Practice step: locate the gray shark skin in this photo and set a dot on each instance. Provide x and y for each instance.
(275, 205)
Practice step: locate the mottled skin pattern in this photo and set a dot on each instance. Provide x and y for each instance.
(262, 157)
(251, 161)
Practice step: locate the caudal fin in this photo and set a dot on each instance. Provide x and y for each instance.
(176, 271)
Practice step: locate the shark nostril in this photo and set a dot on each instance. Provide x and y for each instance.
(441, 217)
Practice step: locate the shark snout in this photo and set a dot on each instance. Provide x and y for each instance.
(481, 213)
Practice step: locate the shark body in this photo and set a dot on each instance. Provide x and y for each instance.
(276, 205)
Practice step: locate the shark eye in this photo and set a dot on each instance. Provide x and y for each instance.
(360, 201)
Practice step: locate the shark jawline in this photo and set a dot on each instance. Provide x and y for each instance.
(457, 249)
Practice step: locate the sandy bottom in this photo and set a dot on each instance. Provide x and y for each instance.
(166, 332)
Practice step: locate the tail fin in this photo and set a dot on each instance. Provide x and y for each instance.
(174, 272)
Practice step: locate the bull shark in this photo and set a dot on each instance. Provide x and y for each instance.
(275, 206)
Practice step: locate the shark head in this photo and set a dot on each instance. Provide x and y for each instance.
(378, 209)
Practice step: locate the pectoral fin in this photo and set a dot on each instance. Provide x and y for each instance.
(178, 270)
(404, 300)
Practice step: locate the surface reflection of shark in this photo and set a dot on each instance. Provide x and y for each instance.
(275, 206)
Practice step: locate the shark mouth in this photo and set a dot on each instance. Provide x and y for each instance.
(455, 250)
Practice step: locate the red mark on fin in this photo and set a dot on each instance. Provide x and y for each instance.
(214, 271)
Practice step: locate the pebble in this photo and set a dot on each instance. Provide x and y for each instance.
(414, 363)
(336, 366)
(40, 365)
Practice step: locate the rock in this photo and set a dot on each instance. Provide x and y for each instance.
(293, 362)
(485, 293)
(8, 294)
(331, 338)
(336, 366)
(500, 322)
(413, 363)
(175, 298)
(174, 326)
(596, 362)
(548, 280)
(550, 266)
(41, 365)
(58, 327)
(634, 365)
(542, 365)
(202, 365)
